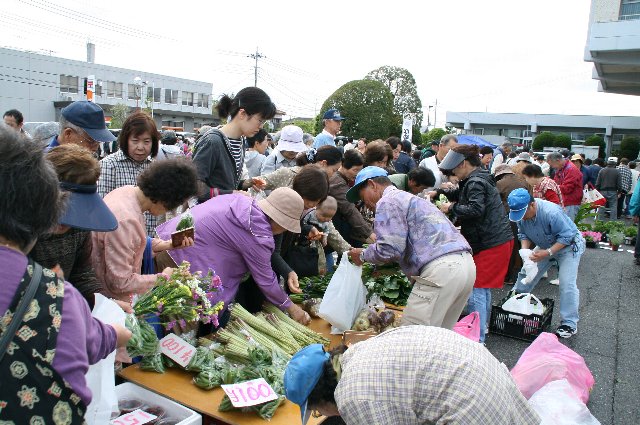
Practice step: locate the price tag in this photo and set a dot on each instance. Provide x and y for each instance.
(137, 417)
(249, 393)
(177, 349)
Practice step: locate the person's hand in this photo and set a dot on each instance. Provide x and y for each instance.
(298, 314)
(292, 281)
(432, 194)
(168, 271)
(258, 183)
(445, 207)
(372, 237)
(447, 185)
(123, 335)
(636, 219)
(125, 306)
(186, 243)
(315, 234)
(58, 271)
(539, 255)
(354, 256)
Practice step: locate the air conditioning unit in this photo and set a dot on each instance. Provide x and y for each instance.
(69, 99)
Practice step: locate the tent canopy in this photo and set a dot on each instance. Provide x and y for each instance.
(469, 139)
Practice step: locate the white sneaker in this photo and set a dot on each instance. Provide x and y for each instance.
(545, 275)
(555, 282)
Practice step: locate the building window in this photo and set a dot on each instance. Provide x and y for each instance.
(114, 89)
(187, 98)
(196, 125)
(478, 131)
(156, 93)
(171, 96)
(133, 92)
(174, 125)
(68, 84)
(629, 10)
(203, 100)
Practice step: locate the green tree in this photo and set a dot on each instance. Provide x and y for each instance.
(596, 140)
(119, 113)
(562, 141)
(368, 106)
(406, 101)
(543, 140)
(629, 147)
(306, 126)
(434, 134)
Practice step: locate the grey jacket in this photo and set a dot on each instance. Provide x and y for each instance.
(253, 160)
(609, 180)
(216, 167)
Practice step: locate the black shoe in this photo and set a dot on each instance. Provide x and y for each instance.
(565, 331)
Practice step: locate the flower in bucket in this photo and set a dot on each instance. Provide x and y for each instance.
(592, 236)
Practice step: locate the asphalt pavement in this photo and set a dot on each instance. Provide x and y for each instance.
(608, 332)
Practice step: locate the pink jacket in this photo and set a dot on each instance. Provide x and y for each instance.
(117, 255)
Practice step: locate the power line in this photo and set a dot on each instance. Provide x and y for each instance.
(256, 56)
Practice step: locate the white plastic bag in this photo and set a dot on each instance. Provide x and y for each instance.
(557, 404)
(530, 268)
(100, 376)
(524, 303)
(345, 296)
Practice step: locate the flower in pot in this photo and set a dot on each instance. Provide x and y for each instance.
(592, 238)
(615, 239)
(630, 235)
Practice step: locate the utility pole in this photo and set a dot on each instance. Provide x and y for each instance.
(435, 115)
(256, 56)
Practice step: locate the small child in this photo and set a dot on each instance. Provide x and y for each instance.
(321, 216)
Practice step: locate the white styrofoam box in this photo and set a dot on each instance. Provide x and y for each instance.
(173, 409)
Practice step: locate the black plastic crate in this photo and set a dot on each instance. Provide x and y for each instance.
(520, 326)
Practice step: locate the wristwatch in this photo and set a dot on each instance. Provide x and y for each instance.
(550, 252)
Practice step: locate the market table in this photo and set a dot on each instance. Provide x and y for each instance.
(177, 385)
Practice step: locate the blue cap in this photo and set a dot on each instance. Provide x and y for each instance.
(303, 373)
(518, 200)
(333, 114)
(89, 117)
(370, 172)
(86, 210)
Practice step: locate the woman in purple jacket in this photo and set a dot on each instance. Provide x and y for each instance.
(47, 347)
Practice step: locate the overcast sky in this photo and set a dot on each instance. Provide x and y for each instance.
(492, 55)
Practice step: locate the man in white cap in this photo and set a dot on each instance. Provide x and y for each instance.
(290, 144)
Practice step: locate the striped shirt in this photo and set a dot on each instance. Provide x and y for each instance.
(236, 147)
(625, 178)
(416, 375)
(119, 170)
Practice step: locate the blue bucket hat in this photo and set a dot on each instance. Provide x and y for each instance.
(86, 210)
(303, 373)
(89, 117)
(518, 200)
(370, 172)
(333, 114)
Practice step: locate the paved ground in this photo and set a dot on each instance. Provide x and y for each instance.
(608, 333)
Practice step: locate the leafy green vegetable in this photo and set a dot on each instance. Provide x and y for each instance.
(186, 221)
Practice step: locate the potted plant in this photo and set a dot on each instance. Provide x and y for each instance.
(615, 239)
(600, 227)
(630, 235)
(592, 238)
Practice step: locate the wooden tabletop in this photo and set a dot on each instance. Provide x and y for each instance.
(177, 385)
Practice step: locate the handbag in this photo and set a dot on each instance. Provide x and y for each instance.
(29, 293)
(469, 326)
(303, 259)
(591, 196)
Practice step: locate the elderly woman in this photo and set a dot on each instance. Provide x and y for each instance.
(139, 143)
(235, 236)
(543, 187)
(483, 222)
(118, 255)
(49, 338)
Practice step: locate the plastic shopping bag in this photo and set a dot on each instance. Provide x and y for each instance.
(524, 303)
(557, 404)
(100, 376)
(469, 326)
(345, 295)
(530, 268)
(547, 360)
(591, 196)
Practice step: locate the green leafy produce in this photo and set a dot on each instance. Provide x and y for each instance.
(202, 358)
(391, 284)
(208, 379)
(441, 200)
(168, 362)
(312, 287)
(144, 341)
(186, 221)
(153, 363)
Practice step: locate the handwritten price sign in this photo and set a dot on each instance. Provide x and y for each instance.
(137, 417)
(250, 393)
(177, 349)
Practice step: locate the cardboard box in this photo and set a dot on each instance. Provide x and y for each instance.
(173, 409)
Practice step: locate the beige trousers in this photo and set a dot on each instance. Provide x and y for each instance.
(441, 291)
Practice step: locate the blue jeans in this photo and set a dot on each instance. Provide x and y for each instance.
(480, 301)
(572, 211)
(330, 263)
(568, 262)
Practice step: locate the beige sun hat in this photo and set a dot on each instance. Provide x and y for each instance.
(284, 206)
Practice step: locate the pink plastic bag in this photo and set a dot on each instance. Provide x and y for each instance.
(547, 360)
(469, 326)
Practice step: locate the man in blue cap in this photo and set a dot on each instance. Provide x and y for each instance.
(332, 122)
(82, 123)
(408, 375)
(411, 231)
(543, 224)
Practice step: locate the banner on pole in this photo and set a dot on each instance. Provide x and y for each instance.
(407, 129)
(91, 87)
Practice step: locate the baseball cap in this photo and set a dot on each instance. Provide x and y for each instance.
(435, 142)
(291, 139)
(86, 210)
(333, 114)
(89, 117)
(613, 159)
(451, 160)
(302, 374)
(370, 172)
(518, 200)
(577, 157)
(284, 206)
(169, 137)
(524, 156)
